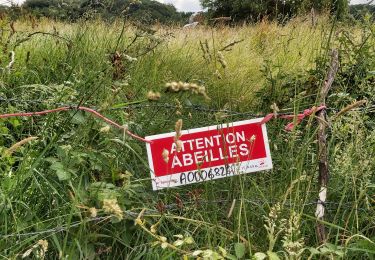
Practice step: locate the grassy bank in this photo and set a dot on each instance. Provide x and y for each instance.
(82, 190)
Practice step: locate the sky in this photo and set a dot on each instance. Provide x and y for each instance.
(186, 5)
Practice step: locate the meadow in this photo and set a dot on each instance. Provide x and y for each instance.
(71, 187)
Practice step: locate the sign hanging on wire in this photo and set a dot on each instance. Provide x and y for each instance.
(208, 153)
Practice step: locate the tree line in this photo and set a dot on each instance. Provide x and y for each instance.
(145, 11)
(149, 11)
(250, 10)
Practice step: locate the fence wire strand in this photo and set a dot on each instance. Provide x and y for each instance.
(195, 107)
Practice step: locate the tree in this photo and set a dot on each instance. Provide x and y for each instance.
(341, 8)
(255, 10)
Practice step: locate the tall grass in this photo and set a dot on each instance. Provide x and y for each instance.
(65, 188)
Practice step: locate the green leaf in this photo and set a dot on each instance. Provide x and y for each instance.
(239, 248)
(78, 118)
(272, 256)
(189, 240)
(259, 256)
(62, 173)
(231, 257)
(314, 251)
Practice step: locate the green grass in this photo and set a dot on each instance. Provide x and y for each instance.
(48, 186)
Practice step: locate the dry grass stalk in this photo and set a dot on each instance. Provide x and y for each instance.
(275, 109)
(12, 58)
(14, 147)
(231, 209)
(222, 60)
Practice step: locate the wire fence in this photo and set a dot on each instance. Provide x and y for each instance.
(132, 214)
(370, 108)
(154, 106)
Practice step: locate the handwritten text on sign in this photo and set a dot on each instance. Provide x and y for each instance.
(209, 153)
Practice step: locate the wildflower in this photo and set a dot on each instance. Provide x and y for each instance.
(178, 242)
(153, 228)
(164, 245)
(111, 206)
(93, 212)
(189, 240)
(153, 96)
(105, 129)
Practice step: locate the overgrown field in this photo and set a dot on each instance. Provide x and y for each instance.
(81, 189)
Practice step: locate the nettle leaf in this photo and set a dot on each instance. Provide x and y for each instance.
(15, 122)
(239, 249)
(62, 173)
(78, 118)
(272, 256)
(314, 251)
(231, 257)
(259, 256)
(103, 190)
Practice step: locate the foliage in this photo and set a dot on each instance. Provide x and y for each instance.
(146, 11)
(82, 189)
(360, 11)
(280, 10)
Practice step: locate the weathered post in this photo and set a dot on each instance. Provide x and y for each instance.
(322, 147)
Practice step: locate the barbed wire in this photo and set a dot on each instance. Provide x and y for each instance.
(198, 108)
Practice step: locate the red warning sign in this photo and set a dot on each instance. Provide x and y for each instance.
(208, 153)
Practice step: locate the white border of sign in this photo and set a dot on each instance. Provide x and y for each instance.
(169, 181)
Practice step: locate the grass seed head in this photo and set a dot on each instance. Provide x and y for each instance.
(17, 145)
(178, 128)
(184, 86)
(165, 155)
(153, 96)
(179, 146)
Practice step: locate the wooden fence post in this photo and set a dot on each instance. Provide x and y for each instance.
(322, 148)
